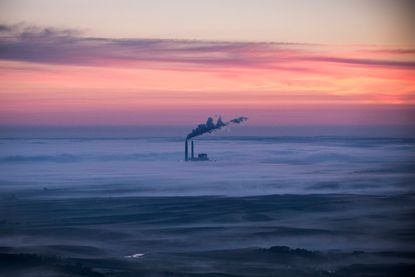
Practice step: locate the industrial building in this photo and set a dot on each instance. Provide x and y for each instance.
(200, 156)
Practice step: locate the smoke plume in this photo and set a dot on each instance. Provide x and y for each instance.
(211, 126)
(238, 120)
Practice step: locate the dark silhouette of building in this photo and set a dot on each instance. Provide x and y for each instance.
(200, 156)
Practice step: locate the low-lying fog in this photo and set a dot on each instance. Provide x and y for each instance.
(137, 200)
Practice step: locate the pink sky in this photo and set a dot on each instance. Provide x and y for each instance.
(51, 75)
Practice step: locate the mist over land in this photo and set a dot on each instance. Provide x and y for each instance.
(120, 201)
(98, 97)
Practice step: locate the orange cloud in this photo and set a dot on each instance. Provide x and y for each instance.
(50, 76)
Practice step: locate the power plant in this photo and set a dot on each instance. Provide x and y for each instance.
(200, 156)
(209, 127)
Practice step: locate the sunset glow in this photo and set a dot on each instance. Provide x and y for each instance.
(50, 75)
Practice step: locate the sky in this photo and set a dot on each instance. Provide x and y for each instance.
(175, 62)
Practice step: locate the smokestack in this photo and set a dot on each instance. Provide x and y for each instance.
(186, 158)
(193, 148)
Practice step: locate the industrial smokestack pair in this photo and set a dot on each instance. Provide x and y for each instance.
(186, 150)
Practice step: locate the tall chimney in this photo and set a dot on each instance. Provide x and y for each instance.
(193, 148)
(186, 154)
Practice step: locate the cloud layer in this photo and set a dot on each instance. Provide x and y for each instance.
(58, 76)
(68, 47)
